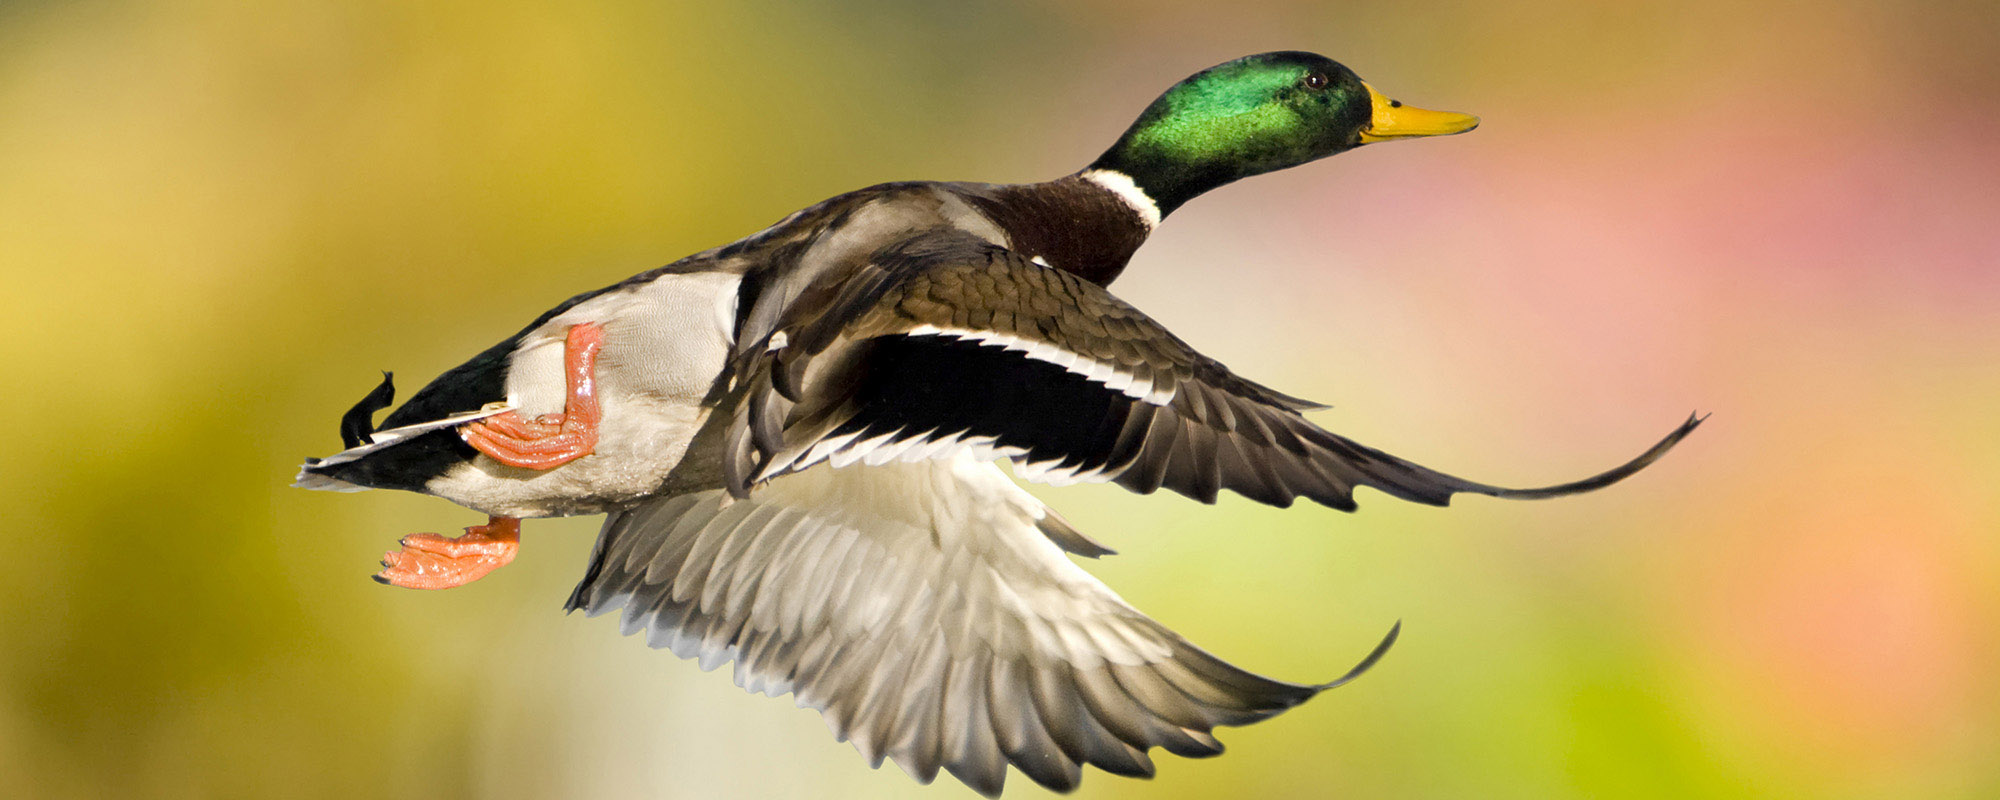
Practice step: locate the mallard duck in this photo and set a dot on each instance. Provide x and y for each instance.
(794, 436)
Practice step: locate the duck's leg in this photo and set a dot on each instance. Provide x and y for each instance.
(551, 440)
(430, 561)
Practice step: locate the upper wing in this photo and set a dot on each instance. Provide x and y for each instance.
(921, 611)
(948, 342)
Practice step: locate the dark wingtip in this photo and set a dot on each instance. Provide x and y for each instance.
(1295, 403)
(1611, 476)
(1366, 663)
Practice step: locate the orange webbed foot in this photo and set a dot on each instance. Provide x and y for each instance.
(551, 440)
(430, 561)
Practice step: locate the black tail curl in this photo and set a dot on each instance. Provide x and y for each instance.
(359, 422)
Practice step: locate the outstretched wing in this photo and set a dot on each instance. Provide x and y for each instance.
(949, 343)
(921, 610)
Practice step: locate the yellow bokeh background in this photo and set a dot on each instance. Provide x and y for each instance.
(217, 220)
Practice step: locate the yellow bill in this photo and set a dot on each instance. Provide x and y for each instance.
(1393, 120)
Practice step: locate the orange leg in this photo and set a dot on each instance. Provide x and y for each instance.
(551, 440)
(430, 561)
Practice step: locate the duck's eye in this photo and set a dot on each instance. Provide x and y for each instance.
(1315, 80)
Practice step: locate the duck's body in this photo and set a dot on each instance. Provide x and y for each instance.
(794, 436)
(670, 331)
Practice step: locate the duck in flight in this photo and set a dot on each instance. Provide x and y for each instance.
(795, 437)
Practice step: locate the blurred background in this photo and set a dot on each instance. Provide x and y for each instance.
(218, 220)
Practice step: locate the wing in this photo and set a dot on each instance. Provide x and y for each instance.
(948, 343)
(921, 610)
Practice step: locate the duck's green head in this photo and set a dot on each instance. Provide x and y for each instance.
(1258, 114)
